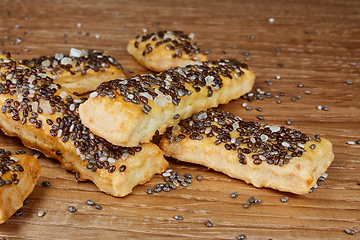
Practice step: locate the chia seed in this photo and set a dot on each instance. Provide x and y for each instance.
(258, 201)
(312, 146)
(234, 195)
(241, 237)
(72, 209)
(178, 217)
(149, 191)
(98, 207)
(350, 231)
(208, 223)
(45, 183)
(289, 122)
(90, 202)
(18, 213)
(187, 175)
(251, 199)
(284, 199)
(260, 117)
(200, 177)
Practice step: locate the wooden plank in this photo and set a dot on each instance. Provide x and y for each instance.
(318, 44)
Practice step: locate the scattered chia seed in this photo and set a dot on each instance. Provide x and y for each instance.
(300, 85)
(349, 83)
(358, 141)
(260, 117)
(350, 231)
(279, 101)
(131, 71)
(45, 183)
(352, 63)
(90, 202)
(178, 217)
(241, 237)
(246, 205)
(258, 201)
(187, 175)
(289, 122)
(234, 195)
(41, 213)
(307, 92)
(19, 213)
(233, 47)
(149, 191)
(26, 201)
(208, 223)
(64, 41)
(248, 108)
(282, 94)
(251, 199)
(206, 52)
(72, 209)
(284, 199)
(98, 207)
(200, 177)
(324, 108)
(312, 146)
(259, 109)
(280, 64)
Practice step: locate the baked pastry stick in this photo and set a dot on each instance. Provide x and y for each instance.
(162, 50)
(262, 155)
(45, 117)
(129, 111)
(80, 70)
(18, 176)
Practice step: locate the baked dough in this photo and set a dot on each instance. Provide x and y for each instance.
(162, 50)
(19, 174)
(129, 111)
(262, 155)
(79, 70)
(45, 117)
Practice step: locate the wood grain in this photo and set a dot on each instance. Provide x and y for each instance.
(318, 43)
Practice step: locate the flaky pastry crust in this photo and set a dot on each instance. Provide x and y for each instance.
(129, 111)
(264, 156)
(45, 117)
(80, 70)
(14, 190)
(162, 50)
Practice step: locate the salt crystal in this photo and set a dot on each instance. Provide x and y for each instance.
(271, 20)
(274, 128)
(45, 63)
(209, 80)
(75, 52)
(191, 36)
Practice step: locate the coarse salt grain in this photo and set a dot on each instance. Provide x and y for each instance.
(271, 20)
(350, 142)
(75, 52)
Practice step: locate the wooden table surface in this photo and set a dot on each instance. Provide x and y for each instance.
(286, 42)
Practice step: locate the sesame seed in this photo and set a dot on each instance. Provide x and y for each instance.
(208, 223)
(41, 213)
(350, 231)
(284, 199)
(72, 209)
(350, 142)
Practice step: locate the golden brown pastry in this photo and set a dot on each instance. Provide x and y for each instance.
(79, 70)
(45, 117)
(129, 111)
(18, 176)
(162, 50)
(265, 156)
